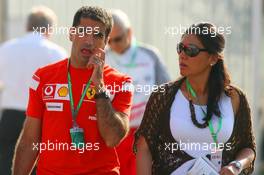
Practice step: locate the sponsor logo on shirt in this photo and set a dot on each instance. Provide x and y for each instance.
(92, 117)
(90, 93)
(51, 106)
(55, 92)
(49, 91)
(63, 91)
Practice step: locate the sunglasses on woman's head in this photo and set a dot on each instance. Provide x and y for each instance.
(191, 50)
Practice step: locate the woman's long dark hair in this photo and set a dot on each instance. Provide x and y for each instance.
(219, 78)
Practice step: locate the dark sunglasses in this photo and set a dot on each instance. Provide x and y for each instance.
(191, 50)
(116, 39)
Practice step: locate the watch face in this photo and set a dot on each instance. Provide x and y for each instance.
(238, 165)
(104, 94)
(107, 93)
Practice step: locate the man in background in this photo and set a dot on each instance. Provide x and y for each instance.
(19, 58)
(143, 63)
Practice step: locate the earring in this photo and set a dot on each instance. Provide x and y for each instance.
(211, 64)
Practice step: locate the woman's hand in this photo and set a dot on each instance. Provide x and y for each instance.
(245, 157)
(229, 170)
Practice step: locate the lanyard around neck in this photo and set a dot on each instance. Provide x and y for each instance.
(75, 111)
(210, 124)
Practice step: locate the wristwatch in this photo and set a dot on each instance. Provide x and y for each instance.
(237, 165)
(104, 95)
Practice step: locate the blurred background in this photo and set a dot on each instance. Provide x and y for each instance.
(157, 22)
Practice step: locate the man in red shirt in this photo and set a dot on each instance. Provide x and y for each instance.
(78, 108)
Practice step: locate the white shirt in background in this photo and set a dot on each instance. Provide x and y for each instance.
(144, 65)
(19, 59)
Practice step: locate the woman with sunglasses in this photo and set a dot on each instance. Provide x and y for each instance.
(201, 116)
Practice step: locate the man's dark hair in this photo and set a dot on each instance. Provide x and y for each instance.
(95, 13)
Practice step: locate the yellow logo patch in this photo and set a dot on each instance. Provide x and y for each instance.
(63, 91)
(90, 93)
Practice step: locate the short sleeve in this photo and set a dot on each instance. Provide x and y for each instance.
(35, 106)
(122, 101)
